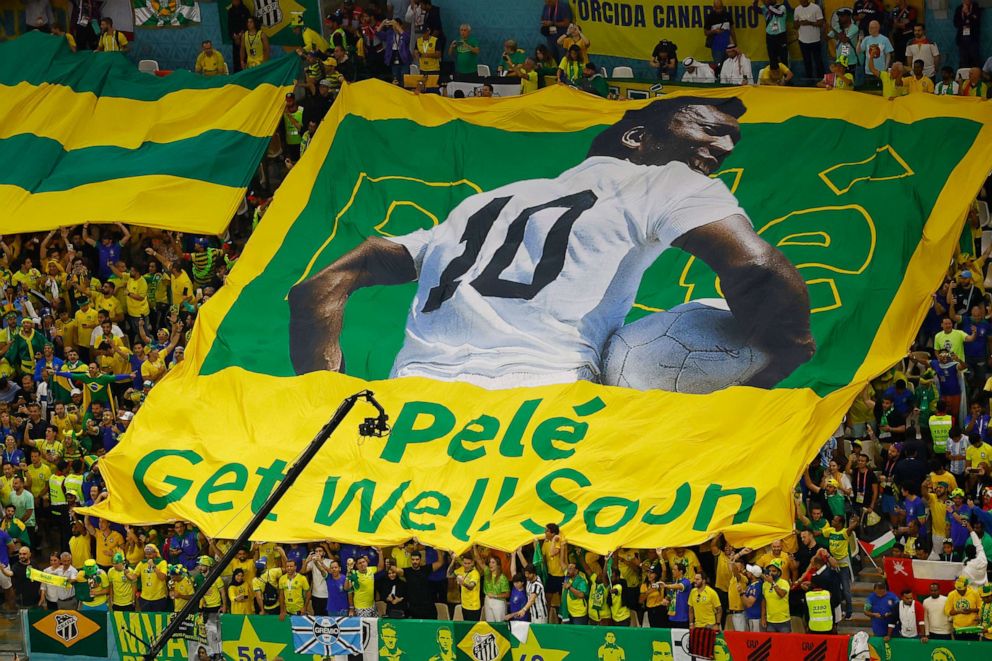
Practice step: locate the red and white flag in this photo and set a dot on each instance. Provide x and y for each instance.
(919, 574)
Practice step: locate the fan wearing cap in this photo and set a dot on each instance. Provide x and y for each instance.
(697, 72)
(265, 585)
(838, 78)
(985, 612)
(97, 584)
(214, 599)
(962, 607)
(775, 615)
(593, 81)
(180, 587)
(751, 597)
(122, 584)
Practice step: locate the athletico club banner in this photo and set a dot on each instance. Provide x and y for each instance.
(632, 28)
(768, 646)
(574, 310)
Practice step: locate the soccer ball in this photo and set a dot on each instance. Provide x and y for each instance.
(696, 347)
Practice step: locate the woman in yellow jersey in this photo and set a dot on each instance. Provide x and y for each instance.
(239, 594)
(254, 46)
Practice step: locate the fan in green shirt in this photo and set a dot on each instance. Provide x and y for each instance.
(575, 590)
(466, 51)
(593, 82)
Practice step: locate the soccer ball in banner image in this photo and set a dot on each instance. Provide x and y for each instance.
(697, 347)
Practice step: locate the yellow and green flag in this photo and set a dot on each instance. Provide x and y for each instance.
(88, 138)
(638, 320)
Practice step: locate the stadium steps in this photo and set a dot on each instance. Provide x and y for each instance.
(863, 586)
(11, 636)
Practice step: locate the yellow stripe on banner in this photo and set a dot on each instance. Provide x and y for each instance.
(197, 204)
(80, 120)
(567, 109)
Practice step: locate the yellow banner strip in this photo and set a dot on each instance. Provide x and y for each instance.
(82, 119)
(197, 205)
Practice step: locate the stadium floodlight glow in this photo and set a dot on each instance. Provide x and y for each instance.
(376, 426)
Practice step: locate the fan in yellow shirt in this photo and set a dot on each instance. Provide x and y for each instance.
(294, 591)
(210, 62)
(963, 605)
(918, 83)
(180, 587)
(122, 584)
(239, 594)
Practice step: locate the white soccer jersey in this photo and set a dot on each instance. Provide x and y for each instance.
(524, 284)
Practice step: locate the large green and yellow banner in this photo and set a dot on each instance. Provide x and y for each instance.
(636, 319)
(91, 139)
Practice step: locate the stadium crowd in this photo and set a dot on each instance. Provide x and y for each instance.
(94, 317)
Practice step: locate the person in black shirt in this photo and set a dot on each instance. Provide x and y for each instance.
(419, 594)
(910, 471)
(315, 106)
(665, 59)
(719, 29)
(237, 22)
(891, 423)
(25, 591)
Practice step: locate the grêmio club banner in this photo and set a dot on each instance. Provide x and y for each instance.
(637, 319)
(632, 28)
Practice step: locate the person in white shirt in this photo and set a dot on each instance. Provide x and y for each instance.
(976, 563)
(808, 19)
(921, 48)
(736, 69)
(524, 285)
(936, 623)
(697, 72)
(911, 618)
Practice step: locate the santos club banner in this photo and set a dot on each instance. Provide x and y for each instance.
(636, 319)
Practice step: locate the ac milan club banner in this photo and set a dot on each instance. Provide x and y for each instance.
(574, 310)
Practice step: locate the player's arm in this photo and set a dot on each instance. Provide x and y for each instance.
(316, 305)
(763, 289)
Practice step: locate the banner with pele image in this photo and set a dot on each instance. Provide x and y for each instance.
(636, 319)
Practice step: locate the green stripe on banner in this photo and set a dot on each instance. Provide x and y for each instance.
(40, 58)
(901, 649)
(225, 152)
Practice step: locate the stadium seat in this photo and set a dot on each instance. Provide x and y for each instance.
(148, 66)
(962, 74)
(414, 70)
(442, 611)
(483, 70)
(602, 71)
(380, 607)
(623, 72)
(645, 622)
(458, 617)
(983, 213)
